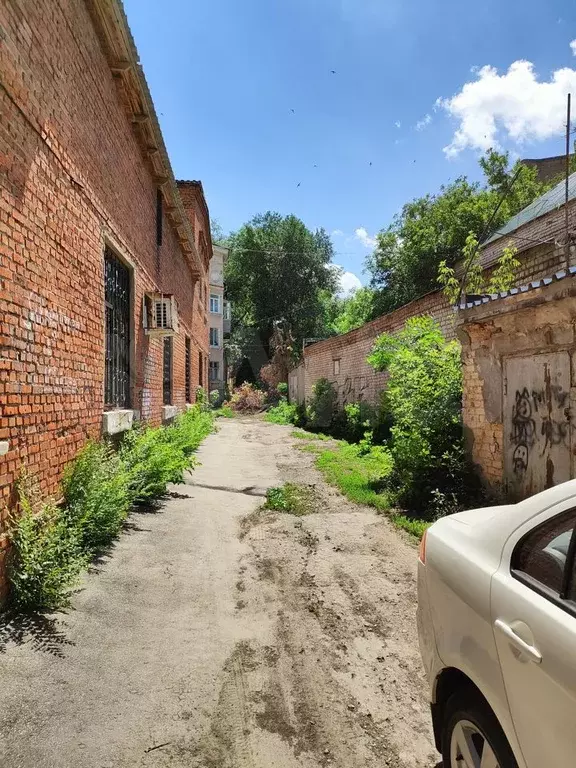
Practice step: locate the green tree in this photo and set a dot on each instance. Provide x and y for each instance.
(434, 228)
(343, 314)
(276, 272)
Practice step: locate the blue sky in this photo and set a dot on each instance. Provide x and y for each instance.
(225, 76)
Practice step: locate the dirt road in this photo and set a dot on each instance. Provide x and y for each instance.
(215, 636)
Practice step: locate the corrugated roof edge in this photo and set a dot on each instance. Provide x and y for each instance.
(560, 275)
(548, 202)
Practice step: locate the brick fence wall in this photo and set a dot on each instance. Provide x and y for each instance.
(72, 181)
(342, 359)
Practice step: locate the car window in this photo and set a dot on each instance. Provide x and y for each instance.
(542, 554)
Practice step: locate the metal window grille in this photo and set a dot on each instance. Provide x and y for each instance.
(167, 372)
(117, 353)
(188, 371)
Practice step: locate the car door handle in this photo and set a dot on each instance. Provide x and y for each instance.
(528, 650)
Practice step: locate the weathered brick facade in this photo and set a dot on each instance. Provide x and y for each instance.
(519, 365)
(81, 163)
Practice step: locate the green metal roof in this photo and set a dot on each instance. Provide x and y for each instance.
(551, 201)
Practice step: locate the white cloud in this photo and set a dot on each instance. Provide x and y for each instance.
(425, 122)
(573, 46)
(515, 103)
(336, 233)
(398, 124)
(362, 235)
(349, 282)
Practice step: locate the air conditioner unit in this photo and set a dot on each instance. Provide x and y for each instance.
(160, 314)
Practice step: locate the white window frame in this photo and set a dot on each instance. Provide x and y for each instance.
(215, 303)
(214, 366)
(217, 336)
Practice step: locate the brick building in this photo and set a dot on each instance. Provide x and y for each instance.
(103, 264)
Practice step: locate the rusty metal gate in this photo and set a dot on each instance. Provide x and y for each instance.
(537, 430)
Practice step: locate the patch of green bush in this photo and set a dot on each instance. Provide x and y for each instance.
(46, 559)
(225, 412)
(282, 389)
(53, 543)
(323, 405)
(152, 459)
(423, 396)
(283, 413)
(292, 498)
(97, 495)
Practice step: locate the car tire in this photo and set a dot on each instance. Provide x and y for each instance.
(468, 718)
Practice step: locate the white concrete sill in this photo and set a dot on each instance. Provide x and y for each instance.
(169, 413)
(114, 422)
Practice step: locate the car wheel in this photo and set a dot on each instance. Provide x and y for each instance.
(472, 737)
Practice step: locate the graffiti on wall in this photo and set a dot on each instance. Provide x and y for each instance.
(533, 423)
(352, 390)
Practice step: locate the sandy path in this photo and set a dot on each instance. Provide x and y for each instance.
(199, 642)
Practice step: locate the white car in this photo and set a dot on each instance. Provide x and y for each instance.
(497, 627)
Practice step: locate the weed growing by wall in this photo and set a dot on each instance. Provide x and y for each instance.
(52, 544)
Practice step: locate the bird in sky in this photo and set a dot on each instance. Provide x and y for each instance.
(315, 166)
(298, 183)
(333, 71)
(293, 111)
(370, 162)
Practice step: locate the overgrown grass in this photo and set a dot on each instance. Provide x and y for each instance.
(301, 435)
(53, 544)
(294, 499)
(360, 474)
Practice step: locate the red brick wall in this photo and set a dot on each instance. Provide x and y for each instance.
(72, 179)
(356, 379)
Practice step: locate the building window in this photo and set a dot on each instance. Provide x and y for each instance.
(215, 303)
(117, 280)
(200, 371)
(214, 370)
(167, 372)
(227, 312)
(336, 364)
(214, 337)
(188, 370)
(159, 216)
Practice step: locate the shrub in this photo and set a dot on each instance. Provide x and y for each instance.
(214, 397)
(282, 389)
(53, 544)
(97, 495)
(323, 405)
(225, 412)
(283, 413)
(152, 458)
(247, 399)
(190, 428)
(424, 399)
(47, 558)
